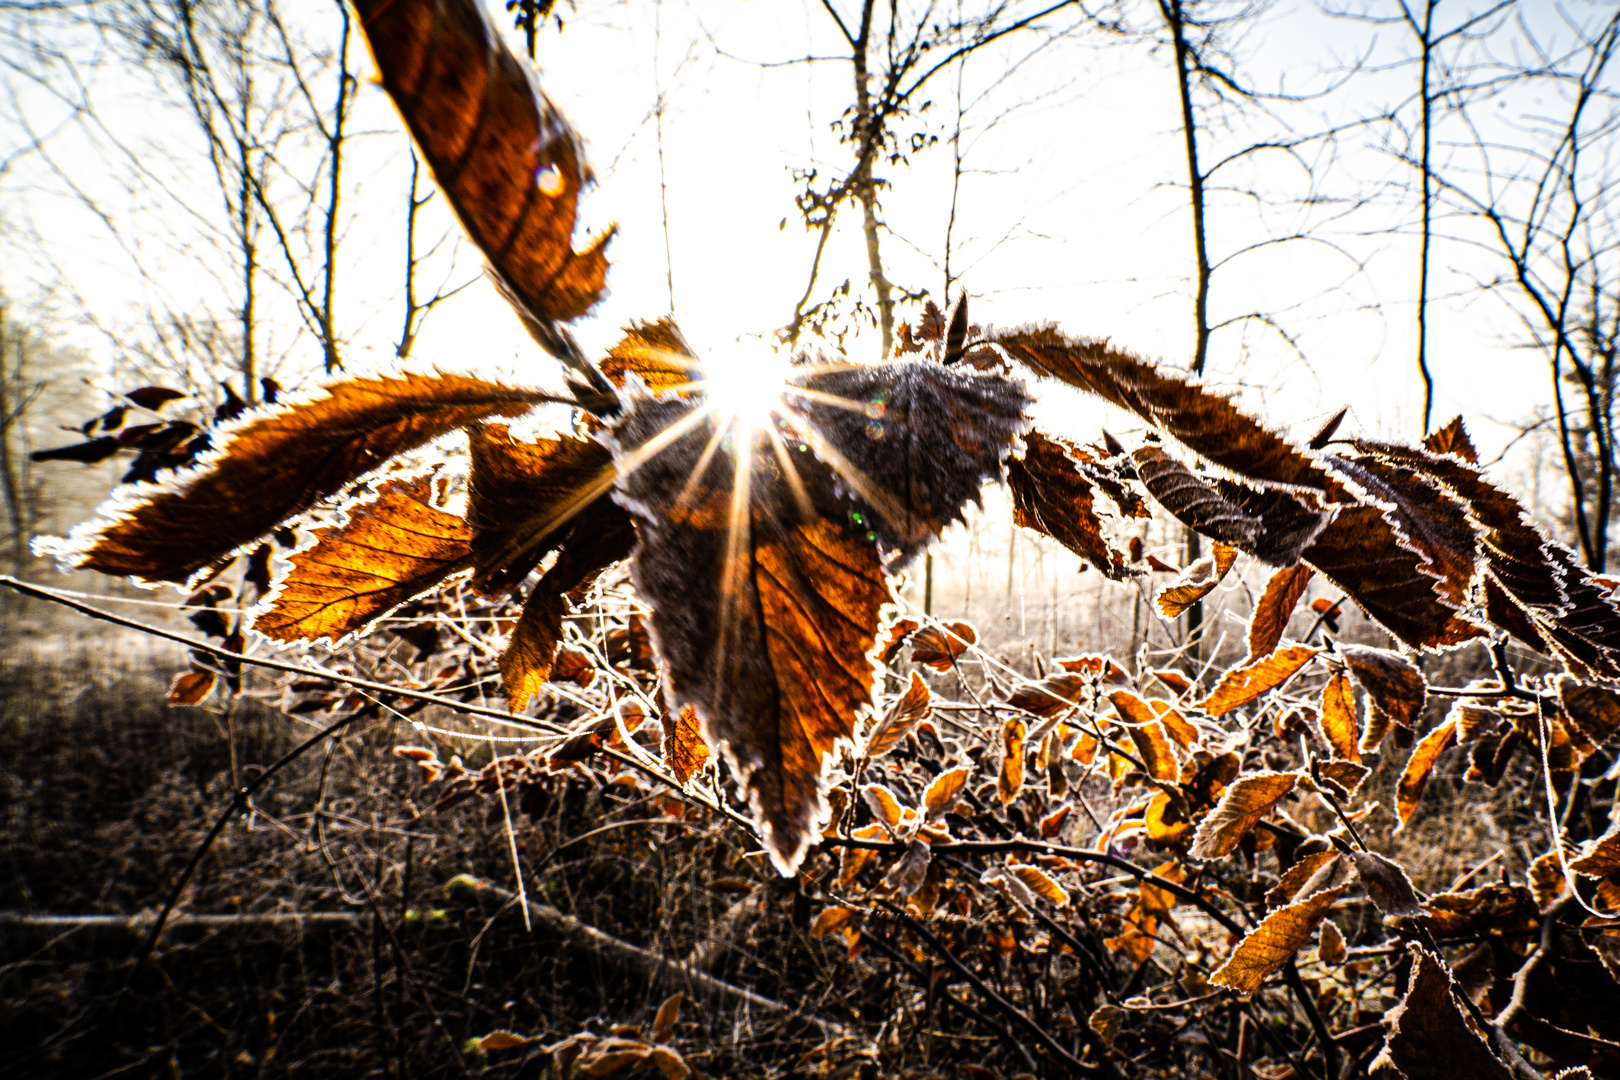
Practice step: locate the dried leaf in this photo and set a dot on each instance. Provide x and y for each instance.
(1452, 439)
(1602, 857)
(1546, 878)
(904, 714)
(765, 600)
(1038, 882)
(1426, 520)
(1330, 945)
(943, 792)
(831, 921)
(1270, 945)
(1342, 778)
(1052, 824)
(909, 871)
(281, 464)
(655, 352)
(1052, 696)
(1418, 767)
(527, 499)
(897, 635)
(392, 548)
(1338, 718)
(1053, 496)
(526, 665)
(1275, 606)
(1192, 501)
(1242, 685)
(1245, 801)
(1387, 885)
(506, 160)
(1429, 1039)
(913, 442)
(190, 687)
(1392, 683)
(684, 751)
(1594, 710)
(940, 646)
(573, 665)
(1011, 780)
(1196, 582)
(885, 806)
(1107, 1021)
(1494, 909)
(154, 397)
(1294, 879)
(1154, 750)
(1205, 422)
(1165, 820)
(1324, 434)
(503, 1040)
(668, 1015)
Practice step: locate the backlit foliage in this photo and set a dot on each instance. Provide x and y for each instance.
(685, 596)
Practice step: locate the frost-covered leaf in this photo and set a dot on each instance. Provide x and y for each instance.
(1410, 787)
(1052, 495)
(1278, 937)
(903, 714)
(1245, 801)
(940, 646)
(1275, 606)
(1429, 1038)
(1241, 685)
(1196, 582)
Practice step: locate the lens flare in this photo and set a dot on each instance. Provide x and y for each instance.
(745, 383)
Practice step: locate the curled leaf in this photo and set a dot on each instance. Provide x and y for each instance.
(1602, 856)
(940, 646)
(1192, 501)
(943, 792)
(1392, 682)
(1040, 883)
(1053, 496)
(1196, 582)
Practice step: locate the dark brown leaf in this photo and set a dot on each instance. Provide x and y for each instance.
(506, 160)
(766, 598)
(88, 452)
(903, 714)
(1428, 1037)
(190, 687)
(392, 548)
(1192, 501)
(1341, 778)
(1602, 857)
(1594, 710)
(1288, 524)
(154, 397)
(1243, 684)
(940, 646)
(1275, 606)
(913, 442)
(281, 464)
(896, 637)
(1052, 495)
(1196, 582)
(1452, 439)
(1207, 423)
(1387, 885)
(1324, 434)
(1052, 696)
(1392, 682)
(573, 665)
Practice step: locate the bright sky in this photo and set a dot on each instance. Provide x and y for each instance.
(1073, 210)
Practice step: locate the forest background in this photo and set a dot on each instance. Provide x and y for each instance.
(1406, 210)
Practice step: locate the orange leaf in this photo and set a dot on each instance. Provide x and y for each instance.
(1270, 945)
(190, 687)
(1051, 495)
(1330, 945)
(1164, 819)
(506, 160)
(904, 713)
(1428, 1034)
(668, 1015)
(1602, 857)
(1418, 767)
(1011, 780)
(1341, 778)
(1052, 824)
(938, 647)
(1338, 718)
(393, 547)
(573, 665)
(1196, 582)
(1392, 682)
(1245, 801)
(503, 1040)
(1039, 883)
(831, 921)
(1242, 685)
(885, 807)
(684, 751)
(1275, 606)
(1546, 878)
(281, 464)
(897, 635)
(657, 352)
(943, 792)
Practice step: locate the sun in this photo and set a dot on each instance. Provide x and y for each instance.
(744, 382)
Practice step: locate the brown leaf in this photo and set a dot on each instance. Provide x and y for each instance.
(526, 665)
(1192, 501)
(1546, 878)
(831, 921)
(668, 1015)
(943, 792)
(1052, 495)
(1387, 885)
(1196, 582)
(573, 665)
(1360, 552)
(1245, 801)
(657, 353)
(1270, 945)
(283, 463)
(1342, 778)
(909, 871)
(1294, 879)
(506, 160)
(1052, 696)
(1052, 824)
(912, 442)
(1429, 1039)
(1148, 735)
(1452, 439)
(1155, 714)
(765, 605)
(897, 635)
(1275, 606)
(1011, 779)
(1338, 718)
(1418, 767)
(940, 646)
(1242, 685)
(392, 548)
(1602, 857)
(1330, 945)
(1165, 819)
(885, 806)
(1205, 422)
(527, 499)
(1107, 1021)
(1391, 682)
(1594, 710)
(684, 751)
(190, 687)
(1038, 882)
(904, 713)
(503, 1040)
